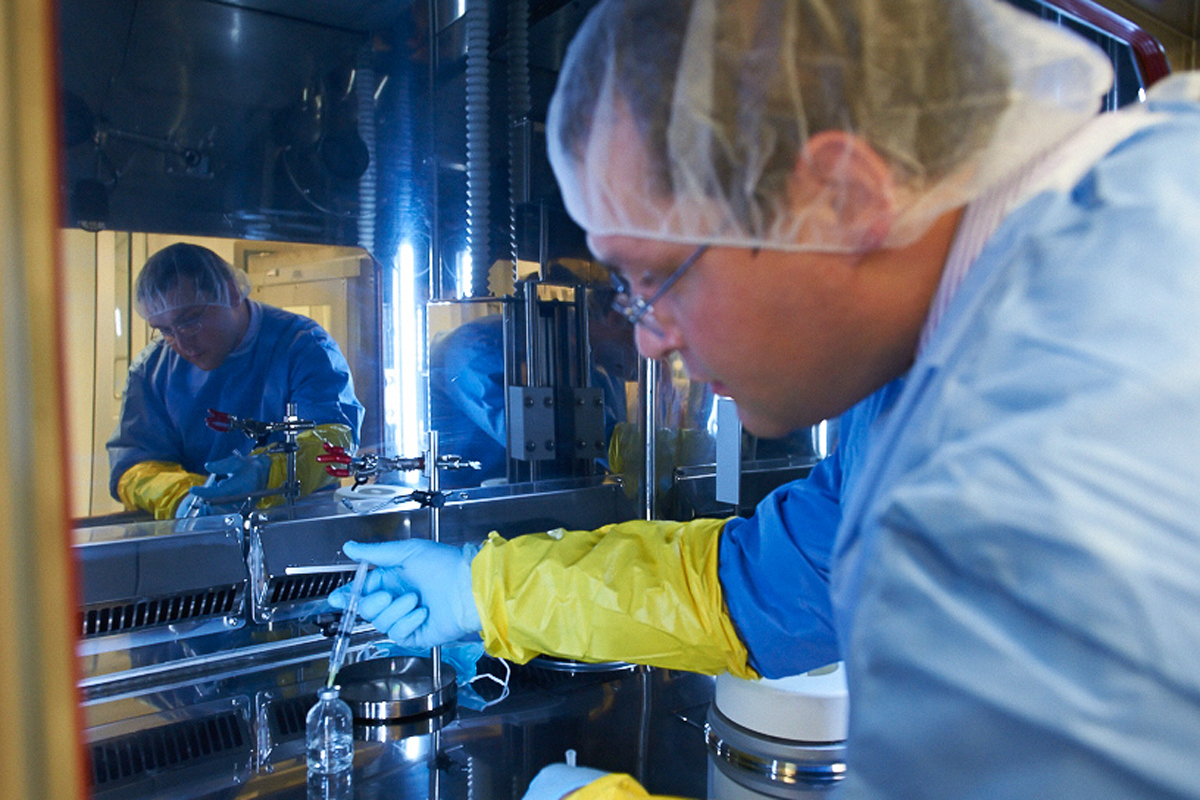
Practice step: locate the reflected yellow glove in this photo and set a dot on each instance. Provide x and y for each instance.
(643, 592)
(312, 474)
(613, 787)
(674, 447)
(157, 487)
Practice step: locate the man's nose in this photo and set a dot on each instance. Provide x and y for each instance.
(658, 341)
(184, 346)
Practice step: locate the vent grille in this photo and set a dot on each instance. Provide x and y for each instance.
(291, 588)
(119, 617)
(288, 716)
(173, 745)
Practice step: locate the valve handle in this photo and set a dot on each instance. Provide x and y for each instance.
(219, 421)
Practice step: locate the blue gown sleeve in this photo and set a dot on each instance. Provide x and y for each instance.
(774, 565)
(144, 431)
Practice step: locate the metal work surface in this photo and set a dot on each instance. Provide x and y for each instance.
(240, 734)
(204, 643)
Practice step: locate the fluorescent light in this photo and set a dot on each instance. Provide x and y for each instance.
(408, 353)
(463, 272)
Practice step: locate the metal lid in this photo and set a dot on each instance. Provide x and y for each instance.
(395, 688)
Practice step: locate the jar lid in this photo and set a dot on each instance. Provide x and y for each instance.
(812, 707)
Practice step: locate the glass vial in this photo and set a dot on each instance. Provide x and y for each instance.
(330, 734)
(338, 786)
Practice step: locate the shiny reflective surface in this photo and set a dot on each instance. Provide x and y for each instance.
(395, 689)
(266, 127)
(241, 734)
(274, 575)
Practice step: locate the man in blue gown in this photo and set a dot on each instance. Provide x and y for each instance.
(217, 349)
(819, 203)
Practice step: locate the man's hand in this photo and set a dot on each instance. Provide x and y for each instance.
(419, 593)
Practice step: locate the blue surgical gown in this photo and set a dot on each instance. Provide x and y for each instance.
(787, 622)
(283, 358)
(1015, 583)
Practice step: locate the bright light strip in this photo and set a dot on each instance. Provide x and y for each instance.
(408, 353)
(391, 370)
(464, 274)
(823, 439)
(710, 425)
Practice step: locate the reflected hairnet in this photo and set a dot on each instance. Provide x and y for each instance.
(723, 95)
(188, 275)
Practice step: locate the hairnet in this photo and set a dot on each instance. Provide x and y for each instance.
(723, 95)
(188, 275)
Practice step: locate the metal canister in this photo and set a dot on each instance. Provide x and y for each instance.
(782, 738)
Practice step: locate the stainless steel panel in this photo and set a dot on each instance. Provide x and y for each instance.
(166, 577)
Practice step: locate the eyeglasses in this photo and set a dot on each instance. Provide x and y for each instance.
(185, 326)
(641, 312)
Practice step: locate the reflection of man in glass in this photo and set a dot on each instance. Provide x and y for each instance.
(217, 349)
(467, 392)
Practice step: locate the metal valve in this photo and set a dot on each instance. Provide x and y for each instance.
(362, 468)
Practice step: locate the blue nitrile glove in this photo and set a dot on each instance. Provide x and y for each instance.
(419, 593)
(246, 475)
(190, 506)
(193, 506)
(559, 780)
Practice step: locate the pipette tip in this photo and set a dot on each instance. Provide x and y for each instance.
(341, 642)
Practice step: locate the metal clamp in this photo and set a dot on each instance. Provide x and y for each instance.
(362, 468)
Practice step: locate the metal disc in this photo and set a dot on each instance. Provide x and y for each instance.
(556, 664)
(394, 689)
(395, 731)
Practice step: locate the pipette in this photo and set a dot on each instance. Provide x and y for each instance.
(342, 642)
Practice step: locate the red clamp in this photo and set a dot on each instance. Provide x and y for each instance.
(335, 454)
(219, 421)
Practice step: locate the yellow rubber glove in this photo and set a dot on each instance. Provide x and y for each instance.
(642, 592)
(613, 787)
(311, 473)
(157, 487)
(559, 781)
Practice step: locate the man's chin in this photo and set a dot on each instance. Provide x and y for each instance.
(766, 426)
(762, 428)
(201, 363)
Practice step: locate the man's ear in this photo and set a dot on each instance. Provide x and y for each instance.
(845, 191)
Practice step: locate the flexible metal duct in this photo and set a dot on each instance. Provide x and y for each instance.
(478, 156)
